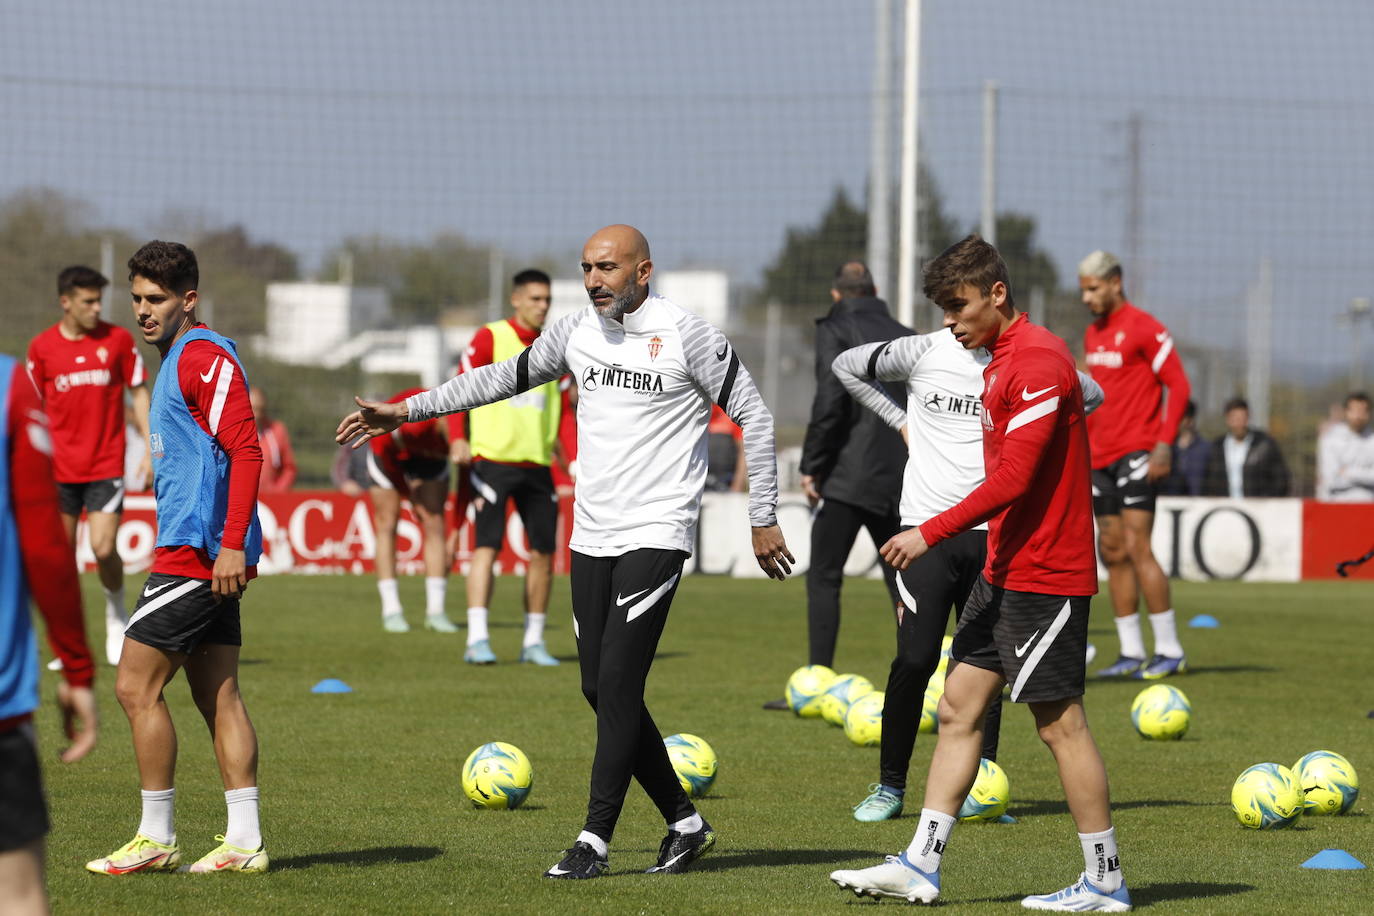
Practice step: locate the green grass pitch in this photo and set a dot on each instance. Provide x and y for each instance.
(362, 808)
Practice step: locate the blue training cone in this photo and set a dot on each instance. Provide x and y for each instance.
(1333, 859)
(1204, 622)
(331, 685)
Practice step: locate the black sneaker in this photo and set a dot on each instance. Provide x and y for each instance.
(678, 851)
(582, 861)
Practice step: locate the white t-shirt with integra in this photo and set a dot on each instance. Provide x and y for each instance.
(645, 389)
(943, 415)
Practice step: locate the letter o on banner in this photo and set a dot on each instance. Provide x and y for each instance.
(1251, 528)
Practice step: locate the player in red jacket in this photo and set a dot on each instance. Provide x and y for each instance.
(81, 366)
(1026, 621)
(36, 561)
(1132, 357)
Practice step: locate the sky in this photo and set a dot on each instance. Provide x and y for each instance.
(717, 124)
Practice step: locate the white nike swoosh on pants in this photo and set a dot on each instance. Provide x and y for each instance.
(643, 605)
(184, 589)
(1060, 619)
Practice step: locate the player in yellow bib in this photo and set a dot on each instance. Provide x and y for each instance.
(508, 447)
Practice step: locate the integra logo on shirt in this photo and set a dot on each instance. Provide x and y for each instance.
(1111, 359)
(69, 380)
(594, 377)
(967, 405)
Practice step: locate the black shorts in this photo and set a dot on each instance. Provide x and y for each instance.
(1124, 484)
(23, 810)
(176, 614)
(1036, 642)
(535, 499)
(92, 495)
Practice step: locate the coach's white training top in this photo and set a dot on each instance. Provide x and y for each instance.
(943, 416)
(644, 400)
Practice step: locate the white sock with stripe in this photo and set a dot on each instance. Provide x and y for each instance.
(1100, 860)
(477, 624)
(1166, 634)
(391, 597)
(435, 587)
(243, 830)
(928, 843)
(114, 606)
(157, 816)
(1128, 630)
(534, 629)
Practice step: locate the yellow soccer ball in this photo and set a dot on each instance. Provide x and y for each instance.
(863, 724)
(497, 775)
(1328, 782)
(990, 795)
(1161, 712)
(694, 762)
(806, 687)
(845, 689)
(1266, 797)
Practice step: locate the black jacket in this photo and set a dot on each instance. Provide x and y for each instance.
(1265, 473)
(857, 458)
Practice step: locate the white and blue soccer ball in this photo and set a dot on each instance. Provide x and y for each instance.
(1161, 712)
(1266, 797)
(694, 762)
(844, 690)
(863, 724)
(1328, 782)
(930, 708)
(806, 687)
(990, 795)
(497, 775)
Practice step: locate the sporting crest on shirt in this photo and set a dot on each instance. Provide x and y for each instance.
(1120, 336)
(103, 354)
(655, 344)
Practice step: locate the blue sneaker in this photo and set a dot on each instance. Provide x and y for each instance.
(395, 623)
(896, 877)
(538, 655)
(479, 653)
(1124, 666)
(1162, 666)
(881, 805)
(1082, 897)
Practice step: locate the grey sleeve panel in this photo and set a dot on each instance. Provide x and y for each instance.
(543, 361)
(1093, 395)
(717, 369)
(861, 368)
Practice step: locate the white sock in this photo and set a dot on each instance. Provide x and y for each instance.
(243, 830)
(928, 844)
(157, 816)
(1100, 860)
(434, 595)
(688, 824)
(114, 607)
(477, 624)
(595, 842)
(1166, 634)
(534, 629)
(391, 597)
(1128, 629)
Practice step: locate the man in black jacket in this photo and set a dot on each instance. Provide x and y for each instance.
(1245, 461)
(851, 461)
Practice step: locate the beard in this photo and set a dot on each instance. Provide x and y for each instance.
(616, 308)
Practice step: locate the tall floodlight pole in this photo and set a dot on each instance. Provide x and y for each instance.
(908, 230)
(879, 178)
(987, 224)
(1260, 347)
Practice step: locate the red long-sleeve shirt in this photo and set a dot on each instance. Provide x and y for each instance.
(1131, 355)
(225, 413)
(1037, 498)
(48, 558)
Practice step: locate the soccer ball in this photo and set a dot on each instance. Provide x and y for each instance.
(1266, 797)
(990, 795)
(1161, 712)
(693, 761)
(930, 706)
(806, 687)
(845, 690)
(945, 646)
(1328, 782)
(863, 724)
(497, 775)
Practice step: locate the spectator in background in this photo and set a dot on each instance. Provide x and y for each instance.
(1246, 461)
(278, 461)
(725, 469)
(564, 467)
(1190, 458)
(852, 462)
(1345, 455)
(136, 460)
(36, 560)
